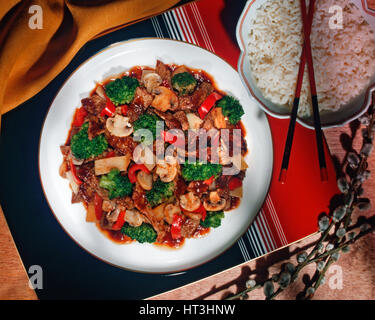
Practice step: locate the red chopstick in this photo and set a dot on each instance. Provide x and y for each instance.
(293, 117)
(314, 96)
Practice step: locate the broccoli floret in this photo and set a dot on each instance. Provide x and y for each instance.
(184, 83)
(147, 121)
(200, 171)
(121, 91)
(83, 148)
(231, 108)
(116, 184)
(143, 233)
(213, 219)
(160, 191)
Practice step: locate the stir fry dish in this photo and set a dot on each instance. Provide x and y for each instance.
(163, 201)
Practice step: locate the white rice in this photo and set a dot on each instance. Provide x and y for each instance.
(344, 59)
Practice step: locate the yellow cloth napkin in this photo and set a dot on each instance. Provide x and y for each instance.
(31, 58)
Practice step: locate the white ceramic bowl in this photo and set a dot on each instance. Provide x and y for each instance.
(147, 257)
(344, 115)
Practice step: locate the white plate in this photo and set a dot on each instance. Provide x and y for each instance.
(347, 113)
(147, 257)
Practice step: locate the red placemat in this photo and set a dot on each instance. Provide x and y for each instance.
(290, 211)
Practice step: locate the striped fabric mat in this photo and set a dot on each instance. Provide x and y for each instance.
(205, 23)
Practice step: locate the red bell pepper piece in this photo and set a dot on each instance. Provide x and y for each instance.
(109, 109)
(207, 105)
(168, 137)
(176, 227)
(209, 181)
(134, 168)
(120, 221)
(79, 117)
(74, 173)
(202, 211)
(124, 110)
(110, 154)
(98, 202)
(234, 183)
(172, 139)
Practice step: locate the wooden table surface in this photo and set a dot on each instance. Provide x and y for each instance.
(357, 266)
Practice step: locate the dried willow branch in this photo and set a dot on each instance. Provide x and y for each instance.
(328, 248)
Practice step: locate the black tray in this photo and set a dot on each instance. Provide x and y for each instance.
(69, 272)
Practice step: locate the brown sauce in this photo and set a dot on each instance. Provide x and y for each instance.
(116, 236)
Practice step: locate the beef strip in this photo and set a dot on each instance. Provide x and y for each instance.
(142, 97)
(185, 103)
(180, 187)
(134, 111)
(90, 183)
(77, 197)
(124, 145)
(96, 126)
(159, 226)
(222, 182)
(198, 187)
(126, 202)
(164, 72)
(170, 121)
(65, 150)
(203, 91)
(189, 227)
(208, 122)
(181, 117)
(139, 198)
(94, 105)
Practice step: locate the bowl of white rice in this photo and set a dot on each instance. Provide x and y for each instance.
(270, 37)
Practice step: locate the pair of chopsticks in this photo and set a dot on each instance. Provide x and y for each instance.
(306, 56)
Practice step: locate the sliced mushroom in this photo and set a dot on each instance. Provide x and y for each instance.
(134, 218)
(190, 202)
(119, 126)
(215, 202)
(165, 99)
(167, 170)
(169, 211)
(113, 215)
(63, 169)
(151, 80)
(73, 184)
(108, 206)
(100, 91)
(145, 180)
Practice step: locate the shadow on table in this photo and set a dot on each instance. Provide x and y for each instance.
(278, 259)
